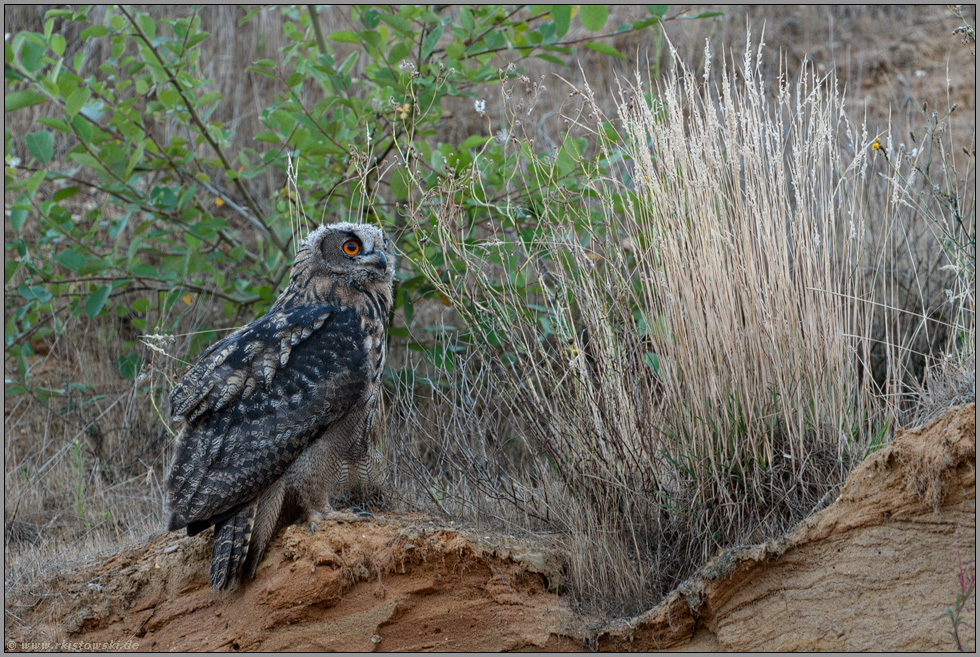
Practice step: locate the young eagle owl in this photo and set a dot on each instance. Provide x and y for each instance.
(275, 417)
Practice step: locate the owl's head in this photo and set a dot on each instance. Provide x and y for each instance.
(337, 262)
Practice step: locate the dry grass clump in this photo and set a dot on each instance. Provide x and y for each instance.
(677, 359)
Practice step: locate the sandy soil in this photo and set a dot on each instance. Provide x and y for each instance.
(875, 570)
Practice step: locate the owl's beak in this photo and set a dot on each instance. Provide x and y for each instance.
(380, 261)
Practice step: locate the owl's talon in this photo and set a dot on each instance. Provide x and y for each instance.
(359, 513)
(312, 528)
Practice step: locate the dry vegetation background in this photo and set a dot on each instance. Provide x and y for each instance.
(83, 471)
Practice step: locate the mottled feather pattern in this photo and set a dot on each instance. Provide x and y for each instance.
(231, 546)
(275, 417)
(257, 438)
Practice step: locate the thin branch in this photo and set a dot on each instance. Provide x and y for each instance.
(317, 29)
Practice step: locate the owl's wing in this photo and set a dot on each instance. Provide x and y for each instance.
(249, 410)
(235, 367)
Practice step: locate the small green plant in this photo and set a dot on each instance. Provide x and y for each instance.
(966, 601)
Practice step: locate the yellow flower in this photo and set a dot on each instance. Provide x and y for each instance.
(876, 145)
(219, 201)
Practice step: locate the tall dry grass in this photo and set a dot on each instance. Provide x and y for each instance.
(692, 370)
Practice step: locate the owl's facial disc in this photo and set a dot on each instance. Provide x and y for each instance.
(363, 250)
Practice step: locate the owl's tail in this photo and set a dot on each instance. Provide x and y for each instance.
(231, 542)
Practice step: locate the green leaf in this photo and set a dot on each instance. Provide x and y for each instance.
(398, 52)
(83, 127)
(57, 124)
(249, 15)
(57, 44)
(19, 99)
(370, 18)
(66, 192)
(605, 49)
(35, 293)
(196, 39)
(148, 25)
(466, 18)
(144, 271)
(658, 10)
(31, 53)
(96, 300)
(56, 13)
(431, 41)
(210, 97)
(704, 14)
(34, 182)
(593, 17)
(563, 18)
(129, 365)
(93, 110)
(372, 38)
(76, 100)
(345, 36)
(18, 212)
(455, 50)
(400, 183)
(268, 137)
(71, 260)
(473, 141)
(400, 24)
(40, 145)
(551, 58)
(639, 25)
(10, 268)
(94, 31)
(260, 71)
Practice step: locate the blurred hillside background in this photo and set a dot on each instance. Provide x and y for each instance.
(160, 162)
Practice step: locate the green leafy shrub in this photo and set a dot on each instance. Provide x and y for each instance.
(127, 197)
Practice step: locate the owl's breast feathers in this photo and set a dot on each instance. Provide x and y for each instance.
(253, 401)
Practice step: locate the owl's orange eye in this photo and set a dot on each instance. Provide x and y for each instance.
(352, 247)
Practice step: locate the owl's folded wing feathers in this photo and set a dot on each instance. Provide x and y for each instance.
(237, 365)
(240, 431)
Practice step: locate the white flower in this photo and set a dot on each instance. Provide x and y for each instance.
(480, 106)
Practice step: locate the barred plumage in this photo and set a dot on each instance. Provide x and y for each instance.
(275, 418)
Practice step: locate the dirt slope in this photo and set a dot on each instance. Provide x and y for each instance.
(873, 571)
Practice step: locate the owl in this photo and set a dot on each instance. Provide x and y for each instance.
(274, 419)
